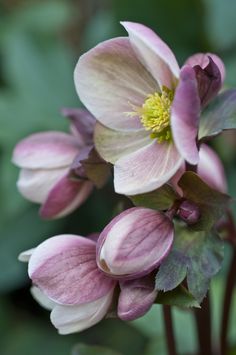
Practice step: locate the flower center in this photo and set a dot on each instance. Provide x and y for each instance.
(155, 114)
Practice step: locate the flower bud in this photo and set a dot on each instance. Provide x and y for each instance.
(136, 297)
(134, 243)
(189, 212)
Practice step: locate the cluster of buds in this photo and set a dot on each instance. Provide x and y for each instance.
(148, 125)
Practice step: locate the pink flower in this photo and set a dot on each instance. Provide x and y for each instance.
(134, 243)
(67, 281)
(148, 109)
(46, 160)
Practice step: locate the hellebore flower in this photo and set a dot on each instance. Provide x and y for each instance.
(134, 243)
(67, 281)
(46, 160)
(136, 297)
(147, 108)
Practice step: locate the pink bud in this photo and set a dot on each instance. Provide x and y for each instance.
(134, 243)
(136, 297)
(189, 212)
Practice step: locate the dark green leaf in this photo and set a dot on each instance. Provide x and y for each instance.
(197, 255)
(212, 203)
(220, 115)
(82, 349)
(178, 297)
(160, 199)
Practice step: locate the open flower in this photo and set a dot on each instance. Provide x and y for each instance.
(148, 109)
(46, 160)
(134, 243)
(67, 281)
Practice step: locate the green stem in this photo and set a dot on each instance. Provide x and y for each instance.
(170, 338)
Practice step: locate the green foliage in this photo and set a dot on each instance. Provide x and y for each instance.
(160, 199)
(197, 256)
(82, 349)
(178, 297)
(212, 203)
(220, 115)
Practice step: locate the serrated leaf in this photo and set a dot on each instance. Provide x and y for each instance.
(160, 199)
(180, 297)
(212, 203)
(82, 349)
(198, 255)
(219, 115)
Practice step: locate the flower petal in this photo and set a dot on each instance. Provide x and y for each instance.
(136, 297)
(134, 243)
(64, 197)
(146, 169)
(110, 82)
(202, 59)
(64, 268)
(71, 319)
(113, 144)
(35, 185)
(46, 150)
(185, 115)
(42, 299)
(25, 255)
(155, 55)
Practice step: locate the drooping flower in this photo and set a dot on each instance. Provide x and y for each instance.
(68, 282)
(46, 160)
(134, 243)
(147, 108)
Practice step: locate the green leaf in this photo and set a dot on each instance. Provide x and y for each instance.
(219, 115)
(160, 199)
(178, 297)
(82, 349)
(212, 203)
(198, 255)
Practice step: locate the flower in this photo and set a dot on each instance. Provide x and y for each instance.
(134, 243)
(67, 281)
(147, 108)
(46, 160)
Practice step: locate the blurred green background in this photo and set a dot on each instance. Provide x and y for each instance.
(40, 42)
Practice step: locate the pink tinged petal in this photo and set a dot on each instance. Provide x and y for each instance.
(42, 299)
(64, 268)
(65, 197)
(185, 115)
(26, 255)
(71, 319)
(134, 243)
(211, 170)
(136, 297)
(202, 59)
(146, 169)
(47, 150)
(113, 144)
(209, 81)
(82, 123)
(35, 185)
(154, 54)
(110, 82)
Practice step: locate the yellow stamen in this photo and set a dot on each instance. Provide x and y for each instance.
(155, 114)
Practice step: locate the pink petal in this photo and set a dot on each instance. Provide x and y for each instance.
(46, 150)
(146, 169)
(203, 60)
(185, 115)
(35, 185)
(42, 299)
(134, 243)
(110, 82)
(71, 319)
(64, 197)
(113, 144)
(154, 54)
(136, 297)
(64, 268)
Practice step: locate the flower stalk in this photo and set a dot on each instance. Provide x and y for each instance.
(170, 337)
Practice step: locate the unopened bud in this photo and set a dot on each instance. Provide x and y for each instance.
(189, 212)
